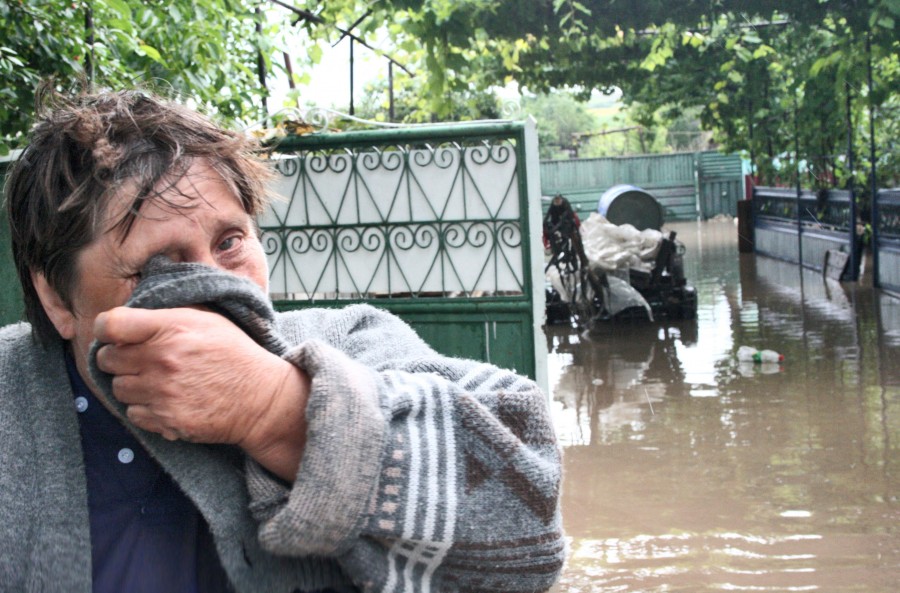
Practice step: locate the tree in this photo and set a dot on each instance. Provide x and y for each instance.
(205, 49)
(411, 106)
(776, 79)
(784, 81)
(560, 122)
(768, 76)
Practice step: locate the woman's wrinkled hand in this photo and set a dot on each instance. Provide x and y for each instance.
(193, 375)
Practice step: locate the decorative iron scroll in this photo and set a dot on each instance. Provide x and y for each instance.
(397, 220)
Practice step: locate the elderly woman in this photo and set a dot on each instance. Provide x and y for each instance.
(163, 429)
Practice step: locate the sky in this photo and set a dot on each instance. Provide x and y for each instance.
(330, 79)
(330, 84)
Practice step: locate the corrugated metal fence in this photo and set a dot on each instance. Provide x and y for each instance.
(720, 181)
(688, 185)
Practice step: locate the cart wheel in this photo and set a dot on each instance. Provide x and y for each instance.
(582, 311)
(689, 303)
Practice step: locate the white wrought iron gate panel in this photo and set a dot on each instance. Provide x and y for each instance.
(377, 222)
(439, 224)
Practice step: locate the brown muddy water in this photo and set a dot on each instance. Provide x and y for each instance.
(686, 470)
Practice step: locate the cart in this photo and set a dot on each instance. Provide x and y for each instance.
(587, 293)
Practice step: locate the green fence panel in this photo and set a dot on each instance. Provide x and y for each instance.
(492, 331)
(721, 183)
(11, 305)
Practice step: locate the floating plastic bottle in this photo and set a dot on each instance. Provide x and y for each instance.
(745, 353)
(768, 356)
(750, 354)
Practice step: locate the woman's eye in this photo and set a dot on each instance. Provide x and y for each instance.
(228, 243)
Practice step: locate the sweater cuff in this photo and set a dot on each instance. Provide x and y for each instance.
(323, 511)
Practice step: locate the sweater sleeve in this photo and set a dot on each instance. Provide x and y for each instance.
(421, 472)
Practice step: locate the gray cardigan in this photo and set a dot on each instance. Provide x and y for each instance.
(421, 472)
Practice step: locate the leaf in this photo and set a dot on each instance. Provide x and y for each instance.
(743, 53)
(752, 37)
(581, 8)
(315, 53)
(762, 51)
(825, 62)
(123, 25)
(150, 52)
(119, 6)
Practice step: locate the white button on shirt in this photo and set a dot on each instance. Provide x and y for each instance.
(126, 455)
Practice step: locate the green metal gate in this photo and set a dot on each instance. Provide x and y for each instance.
(439, 224)
(720, 182)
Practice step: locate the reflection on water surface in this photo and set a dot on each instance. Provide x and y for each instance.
(687, 470)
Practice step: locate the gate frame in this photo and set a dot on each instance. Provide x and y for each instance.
(431, 316)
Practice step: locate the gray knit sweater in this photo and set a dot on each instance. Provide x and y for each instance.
(420, 473)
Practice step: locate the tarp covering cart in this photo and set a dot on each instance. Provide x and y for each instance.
(598, 270)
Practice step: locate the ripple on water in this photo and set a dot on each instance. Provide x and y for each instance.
(686, 471)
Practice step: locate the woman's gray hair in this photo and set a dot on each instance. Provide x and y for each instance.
(86, 149)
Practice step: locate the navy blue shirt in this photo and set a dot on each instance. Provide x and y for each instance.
(146, 535)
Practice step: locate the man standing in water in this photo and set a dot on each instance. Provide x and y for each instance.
(163, 429)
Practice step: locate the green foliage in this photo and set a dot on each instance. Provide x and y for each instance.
(770, 78)
(561, 123)
(198, 48)
(410, 106)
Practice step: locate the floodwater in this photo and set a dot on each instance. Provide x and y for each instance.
(686, 470)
